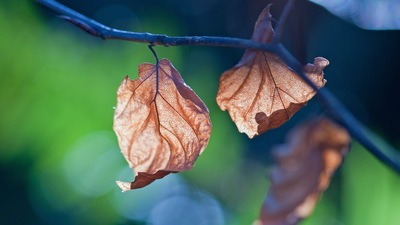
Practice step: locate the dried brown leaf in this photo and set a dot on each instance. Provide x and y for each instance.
(161, 124)
(304, 168)
(261, 92)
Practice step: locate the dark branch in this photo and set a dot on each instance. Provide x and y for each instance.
(334, 108)
(282, 21)
(97, 29)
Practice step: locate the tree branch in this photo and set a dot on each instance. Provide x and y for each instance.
(97, 29)
(390, 156)
(281, 22)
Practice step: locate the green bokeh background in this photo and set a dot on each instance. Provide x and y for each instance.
(58, 155)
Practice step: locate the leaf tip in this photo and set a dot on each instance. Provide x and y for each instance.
(263, 30)
(315, 70)
(321, 62)
(125, 186)
(317, 67)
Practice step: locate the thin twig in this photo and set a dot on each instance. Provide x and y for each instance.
(282, 20)
(157, 73)
(333, 106)
(97, 29)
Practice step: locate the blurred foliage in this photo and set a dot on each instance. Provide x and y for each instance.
(373, 186)
(59, 158)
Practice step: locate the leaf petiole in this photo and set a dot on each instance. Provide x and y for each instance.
(157, 76)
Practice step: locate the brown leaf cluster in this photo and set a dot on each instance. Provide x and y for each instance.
(305, 164)
(261, 92)
(161, 124)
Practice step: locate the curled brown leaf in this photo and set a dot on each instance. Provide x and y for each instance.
(161, 124)
(261, 92)
(305, 164)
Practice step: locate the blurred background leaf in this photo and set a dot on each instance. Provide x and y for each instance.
(58, 155)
